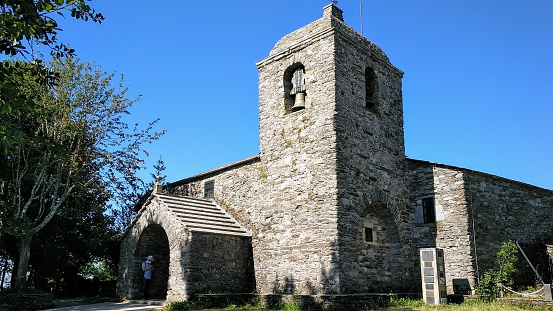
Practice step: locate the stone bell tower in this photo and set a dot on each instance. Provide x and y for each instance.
(332, 151)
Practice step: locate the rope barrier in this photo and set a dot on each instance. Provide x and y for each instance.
(534, 293)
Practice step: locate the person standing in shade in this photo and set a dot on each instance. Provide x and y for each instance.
(147, 267)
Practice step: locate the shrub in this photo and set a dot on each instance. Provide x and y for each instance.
(505, 260)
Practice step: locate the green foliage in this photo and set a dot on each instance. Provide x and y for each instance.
(291, 306)
(304, 305)
(183, 306)
(81, 239)
(405, 302)
(284, 306)
(506, 259)
(256, 305)
(159, 168)
(18, 82)
(100, 269)
(393, 304)
(505, 262)
(68, 151)
(177, 305)
(47, 161)
(24, 26)
(26, 23)
(488, 284)
(469, 305)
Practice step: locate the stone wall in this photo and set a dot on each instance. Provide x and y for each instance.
(298, 150)
(285, 237)
(333, 171)
(475, 214)
(239, 188)
(220, 264)
(186, 263)
(504, 210)
(451, 230)
(370, 161)
(289, 198)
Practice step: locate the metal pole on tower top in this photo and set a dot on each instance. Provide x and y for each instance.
(361, 15)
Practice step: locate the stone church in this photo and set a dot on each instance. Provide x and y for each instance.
(330, 205)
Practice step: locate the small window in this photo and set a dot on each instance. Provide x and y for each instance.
(209, 189)
(428, 210)
(371, 89)
(369, 234)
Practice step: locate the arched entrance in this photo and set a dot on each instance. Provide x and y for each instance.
(153, 241)
(381, 253)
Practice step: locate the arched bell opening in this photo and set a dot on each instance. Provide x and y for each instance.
(294, 88)
(152, 242)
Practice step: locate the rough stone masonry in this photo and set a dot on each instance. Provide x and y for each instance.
(330, 205)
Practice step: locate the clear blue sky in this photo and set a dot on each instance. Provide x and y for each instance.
(477, 90)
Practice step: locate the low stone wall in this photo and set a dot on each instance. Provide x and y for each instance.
(26, 302)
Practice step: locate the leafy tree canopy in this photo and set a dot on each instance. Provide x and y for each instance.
(24, 26)
(24, 23)
(75, 141)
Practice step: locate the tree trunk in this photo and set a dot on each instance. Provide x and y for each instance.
(4, 271)
(19, 277)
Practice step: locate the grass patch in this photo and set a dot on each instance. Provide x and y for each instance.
(395, 304)
(471, 305)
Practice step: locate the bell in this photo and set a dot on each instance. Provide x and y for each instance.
(299, 103)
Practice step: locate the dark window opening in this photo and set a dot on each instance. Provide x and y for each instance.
(428, 210)
(371, 89)
(369, 234)
(209, 189)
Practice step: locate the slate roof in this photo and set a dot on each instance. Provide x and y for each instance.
(200, 215)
